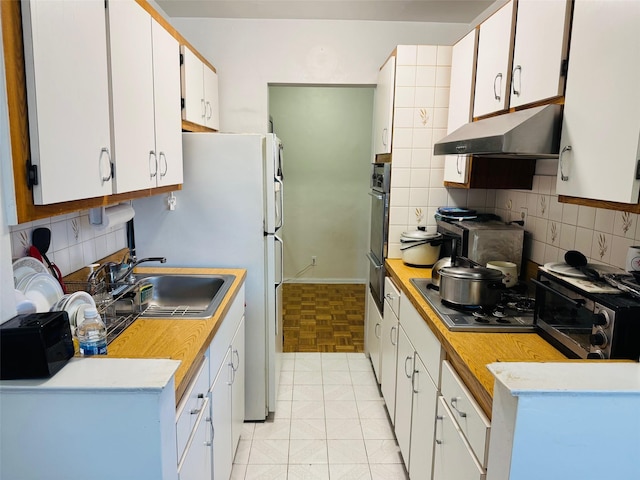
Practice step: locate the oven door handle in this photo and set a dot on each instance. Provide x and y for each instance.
(379, 196)
(372, 259)
(573, 301)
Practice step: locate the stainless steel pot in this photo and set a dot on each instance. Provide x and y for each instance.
(435, 270)
(470, 285)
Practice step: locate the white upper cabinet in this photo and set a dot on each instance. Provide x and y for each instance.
(383, 105)
(199, 91)
(131, 57)
(166, 95)
(145, 95)
(463, 64)
(68, 99)
(601, 123)
(540, 50)
(493, 72)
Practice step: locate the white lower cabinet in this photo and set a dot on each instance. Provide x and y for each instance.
(196, 463)
(221, 415)
(374, 328)
(453, 458)
(389, 346)
(237, 384)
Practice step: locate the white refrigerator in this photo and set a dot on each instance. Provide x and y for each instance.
(228, 215)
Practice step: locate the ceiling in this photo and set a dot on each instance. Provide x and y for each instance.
(440, 11)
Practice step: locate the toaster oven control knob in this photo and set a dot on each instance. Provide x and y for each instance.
(597, 355)
(598, 339)
(601, 319)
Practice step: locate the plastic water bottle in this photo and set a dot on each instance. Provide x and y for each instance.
(92, 334)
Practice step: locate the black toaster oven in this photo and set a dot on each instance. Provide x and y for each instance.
(35, 345)
(586, 325)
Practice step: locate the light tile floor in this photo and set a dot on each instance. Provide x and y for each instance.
(330, 424)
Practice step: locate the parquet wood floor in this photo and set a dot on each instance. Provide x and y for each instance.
(323, 317)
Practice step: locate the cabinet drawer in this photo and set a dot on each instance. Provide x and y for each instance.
(392, 295)
(191, 405)
(466, 412)
(423, 339)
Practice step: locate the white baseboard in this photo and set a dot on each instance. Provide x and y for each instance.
(326, 280)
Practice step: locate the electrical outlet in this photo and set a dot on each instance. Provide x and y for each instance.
(524, 213)
(314, 259)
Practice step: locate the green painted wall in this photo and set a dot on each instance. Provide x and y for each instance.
(326, 132)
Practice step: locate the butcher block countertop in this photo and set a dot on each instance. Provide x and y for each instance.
(471, 352)
(176, 339)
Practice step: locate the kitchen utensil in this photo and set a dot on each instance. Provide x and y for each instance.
(470, 285)
(633, 259)
(41, 239)
(508, 269)
(579, 261)
(420, 248)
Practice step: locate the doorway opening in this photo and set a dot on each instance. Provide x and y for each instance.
(326, 133)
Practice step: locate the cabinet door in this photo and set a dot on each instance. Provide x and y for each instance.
(166, 94)
(221, 415)
(212, 117)
(67, 78)
(192, 81)
(425, 400)
(383, 105)
(374, 330)
(493, 72)
(197, 461)
(539, 50)
(453, 460)
(131, 59)
(404, 395)
(463, 67)
(389, 350)
(237, 387)
(603, 135)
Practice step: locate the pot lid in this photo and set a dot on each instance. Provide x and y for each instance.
(472, 273)
(418, 236)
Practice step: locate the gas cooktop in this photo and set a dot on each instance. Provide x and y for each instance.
(514, 312)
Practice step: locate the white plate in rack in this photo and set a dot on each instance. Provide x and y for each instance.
(25, 266)
(43, 290)
(74, 304)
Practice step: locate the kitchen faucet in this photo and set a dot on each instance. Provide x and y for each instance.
(128, 273)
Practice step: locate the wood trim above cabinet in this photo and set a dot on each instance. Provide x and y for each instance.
(188, 126)
(622, 207)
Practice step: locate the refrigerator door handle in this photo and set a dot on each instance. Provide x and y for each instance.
(374, 261)
(280, 207)
(281, 280)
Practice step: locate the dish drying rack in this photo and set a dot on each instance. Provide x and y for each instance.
(116, 320)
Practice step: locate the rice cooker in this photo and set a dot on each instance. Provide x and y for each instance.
(420, 248)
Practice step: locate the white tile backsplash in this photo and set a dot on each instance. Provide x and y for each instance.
(74, 242)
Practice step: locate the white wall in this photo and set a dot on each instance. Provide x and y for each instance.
(326, 133)
(249, 54)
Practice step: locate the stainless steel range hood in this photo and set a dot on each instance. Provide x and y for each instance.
(530, 133)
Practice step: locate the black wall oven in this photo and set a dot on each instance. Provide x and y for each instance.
(380, 191)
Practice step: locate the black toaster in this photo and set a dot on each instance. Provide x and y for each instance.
(35, 345)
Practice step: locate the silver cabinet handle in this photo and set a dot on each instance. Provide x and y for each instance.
(166, 165)
(389, 296)
(375, 330)
(153, 172)
(234, 365)
(203, 107)
(394, 328)
(495, 92)
(439, 418)
(210, 110)
(384, 136)
(104, 151)
(406, 360)
(563, 177)
(513, 78)
(196, 411)
(454, 405)
(458, 167)
(232, 373)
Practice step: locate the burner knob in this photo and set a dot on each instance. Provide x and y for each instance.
(598, 339)
(601, 319)
(597, 355)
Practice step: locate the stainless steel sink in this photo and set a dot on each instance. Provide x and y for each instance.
(182, 296)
